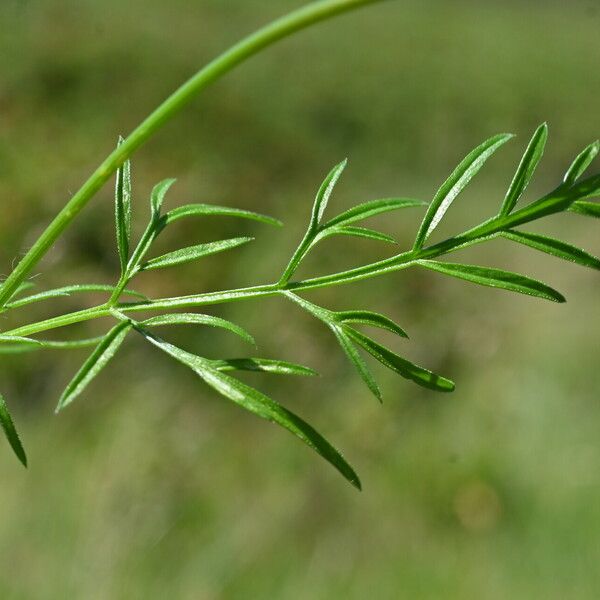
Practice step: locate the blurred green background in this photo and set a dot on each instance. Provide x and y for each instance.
(154, 487)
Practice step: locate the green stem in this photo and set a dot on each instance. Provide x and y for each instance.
(286, 26)
(552, 203)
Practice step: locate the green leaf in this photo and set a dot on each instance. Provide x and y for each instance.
(496, 278)
(264, 365)
(123, 210)
(403, 367)
(105, 350)
(193, 210)
(197, 319)
(20, 347)
(26, 285)
(586, 189)
(324, 194)
(372, 208)
(257, 403)
(352, 353)
(192, 253)
(16, 339)
(526, 169)
(158, 196)
(366, 317)
(11, 433)
(554, 247)
(360, 232)
(330, 319)
(455, 184)
(581, 163)
(588, 209)
(67, 291)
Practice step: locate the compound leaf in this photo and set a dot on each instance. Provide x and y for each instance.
(496, 278)
(11, 433)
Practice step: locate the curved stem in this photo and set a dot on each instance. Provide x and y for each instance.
(295, 21)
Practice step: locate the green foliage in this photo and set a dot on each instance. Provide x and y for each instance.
(11, 433)
(571, 195)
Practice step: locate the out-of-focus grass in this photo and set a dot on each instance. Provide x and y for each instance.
(152, 487)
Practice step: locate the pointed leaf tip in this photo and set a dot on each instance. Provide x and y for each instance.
(191, 253)
(123, 209)
(526, 168)
(324, 193)
(101, 355)
(554, 247)
(581, 163)
(256, 402)
(403, 367)
(456, 183)
(11, 433)
(158, 194)
(496, 278)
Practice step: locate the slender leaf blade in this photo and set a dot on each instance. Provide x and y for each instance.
(456, 183)
(191, 253)
(11, 432)
(16, 339)
(68, 290)
(101, 355)
(367, 317)
(554, 247)
(353, 355)
(123, 210)
(207, 210)
(587, 209)
(325, 192)
(263, 365)
(581, 163)
(259, 404)
(403, 367)
(496, 278)
(586, 189)
(26, 285)
(373, 208)
(198, 319)
(526, 169)
(158, 194)
(359, 232)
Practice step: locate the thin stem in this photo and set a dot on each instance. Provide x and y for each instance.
(286, 26)
(552, 203)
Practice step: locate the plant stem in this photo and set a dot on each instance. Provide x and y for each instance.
(554, 202)
(295, 21)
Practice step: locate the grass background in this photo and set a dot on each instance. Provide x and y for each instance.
(153, 487)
